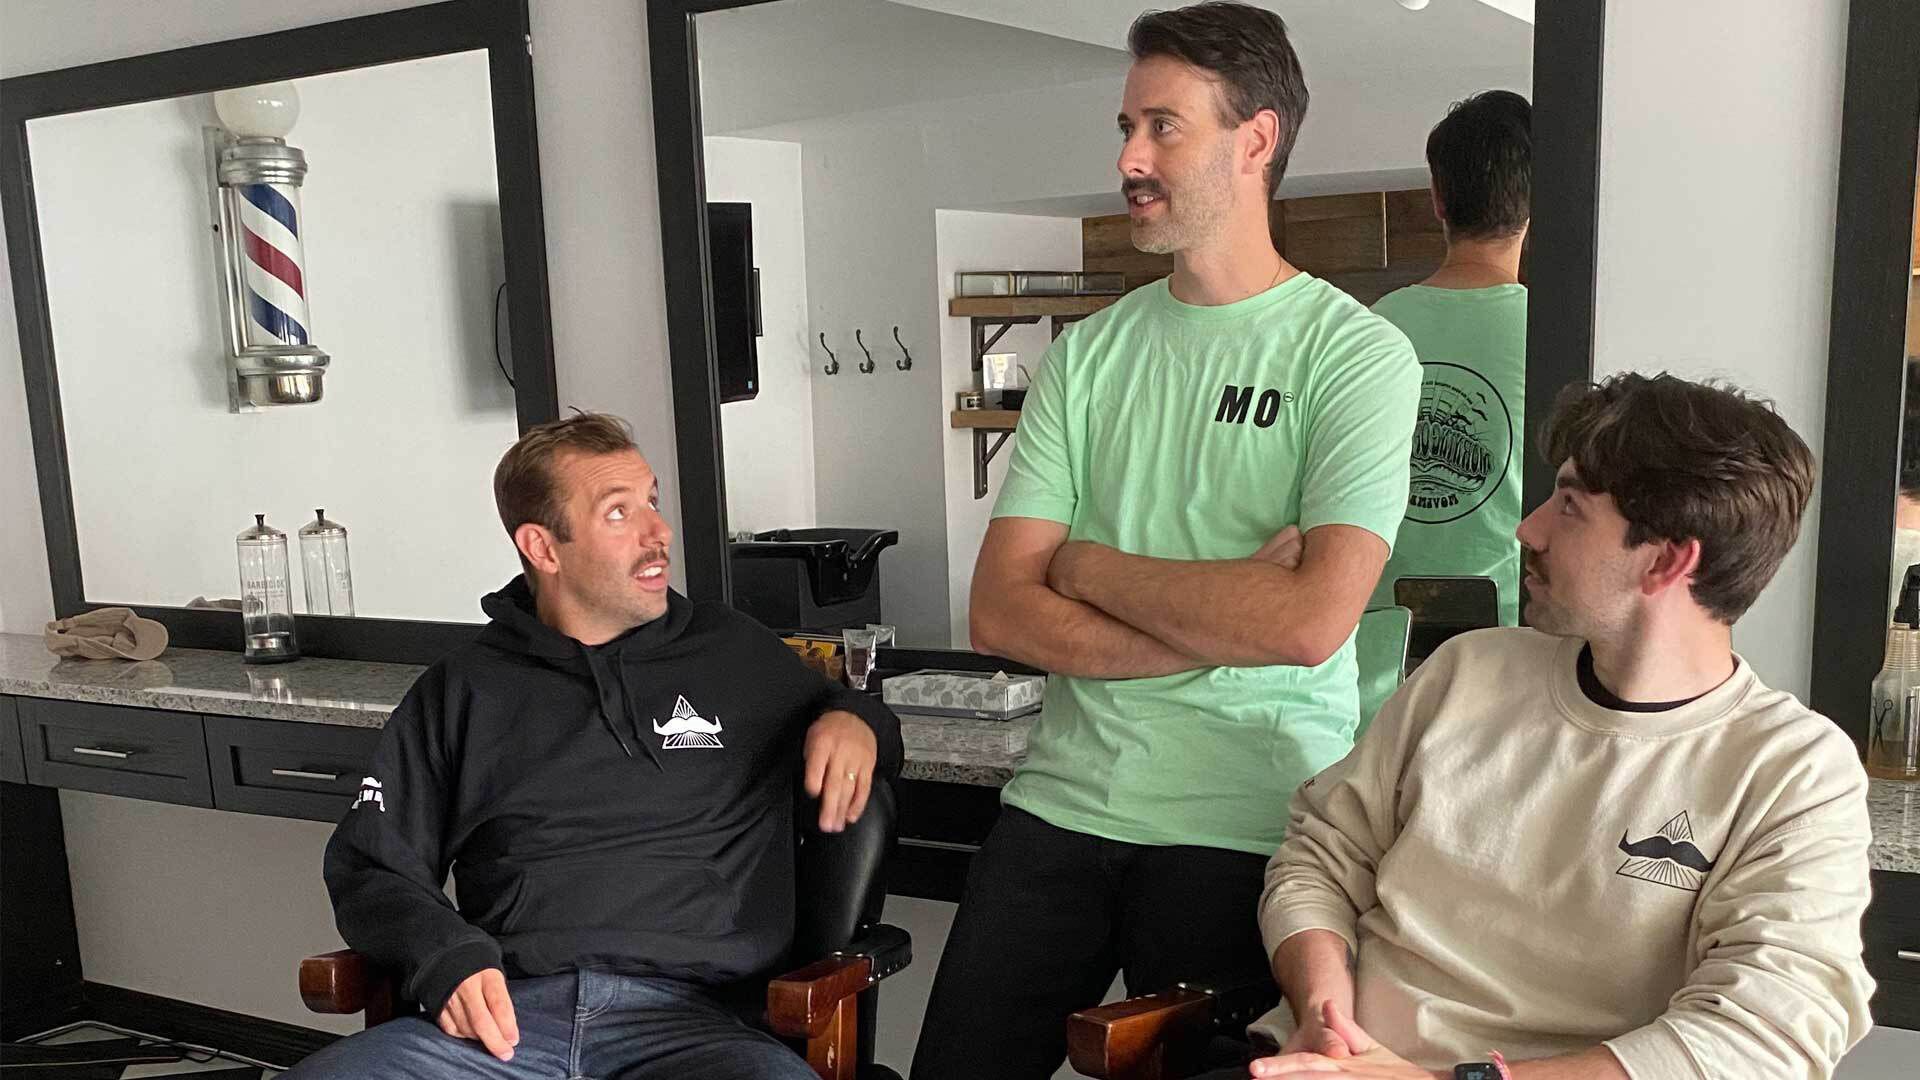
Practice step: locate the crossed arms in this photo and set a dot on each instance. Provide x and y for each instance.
(1085, 609)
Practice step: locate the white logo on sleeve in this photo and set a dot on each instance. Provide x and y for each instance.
(370, 794)
(688, 730)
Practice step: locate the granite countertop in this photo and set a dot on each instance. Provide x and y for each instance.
(357, 693)
(362, 694)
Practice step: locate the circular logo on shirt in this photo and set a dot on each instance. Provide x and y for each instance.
(1462, 443)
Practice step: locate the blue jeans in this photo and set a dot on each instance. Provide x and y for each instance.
(590, 1024)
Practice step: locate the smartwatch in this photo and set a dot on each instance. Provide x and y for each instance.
(1477, 1070)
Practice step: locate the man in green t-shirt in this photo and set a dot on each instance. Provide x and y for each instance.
(1206, 482)
(1468, 323)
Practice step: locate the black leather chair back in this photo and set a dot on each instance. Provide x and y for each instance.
(841, 876)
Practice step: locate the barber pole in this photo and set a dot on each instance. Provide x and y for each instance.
(270, 243)
(259, 178)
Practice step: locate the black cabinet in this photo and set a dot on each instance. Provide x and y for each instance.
(286, 769)
(115, 750)
(1891, 935)
(13, 767)
(41, 984)
(941, 826)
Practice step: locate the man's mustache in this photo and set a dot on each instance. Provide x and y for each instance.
(1530, 564)
(657, 555)
(1659, 847)
(1143, 186)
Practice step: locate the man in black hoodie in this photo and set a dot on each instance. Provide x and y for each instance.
(609, 771)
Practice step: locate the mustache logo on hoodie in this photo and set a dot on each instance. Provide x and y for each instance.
(688, 730)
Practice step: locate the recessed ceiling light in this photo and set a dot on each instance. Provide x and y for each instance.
(1413, 5)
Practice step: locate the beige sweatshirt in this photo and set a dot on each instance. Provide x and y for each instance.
(1519, 869)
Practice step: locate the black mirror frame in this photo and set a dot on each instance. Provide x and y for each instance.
(1567, 65)
(1866, 356)
(498, 26)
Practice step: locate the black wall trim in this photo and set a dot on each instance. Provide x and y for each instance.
(499, 26)
(183, 1021)
(1567, 62)
(1569, 39)
(1860, 461)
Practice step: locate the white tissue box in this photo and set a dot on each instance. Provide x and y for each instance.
(997, 696)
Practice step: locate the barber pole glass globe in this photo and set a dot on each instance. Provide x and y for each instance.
(260, 178)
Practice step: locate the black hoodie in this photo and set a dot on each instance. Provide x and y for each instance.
(627, 806)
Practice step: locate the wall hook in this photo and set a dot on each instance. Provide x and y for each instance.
(866, 366)
(905, 363)
(832, 366)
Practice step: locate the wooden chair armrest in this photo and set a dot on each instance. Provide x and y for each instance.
(1155, 1037)
(800, 1004)
(346, 982)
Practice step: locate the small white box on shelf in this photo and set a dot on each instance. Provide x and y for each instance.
(979, 694)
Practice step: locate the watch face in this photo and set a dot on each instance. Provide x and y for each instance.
(1479, 1070)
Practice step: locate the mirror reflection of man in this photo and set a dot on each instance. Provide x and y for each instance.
(1468, 325)
(1207, 479)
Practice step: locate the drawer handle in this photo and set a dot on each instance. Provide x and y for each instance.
(302, 774)
(117, 755)
(1909, 954)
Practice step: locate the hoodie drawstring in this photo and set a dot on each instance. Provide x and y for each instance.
(619, 702)
(626, 706)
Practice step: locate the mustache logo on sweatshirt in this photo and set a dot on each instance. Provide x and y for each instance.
(688, 730)
(1668, 857)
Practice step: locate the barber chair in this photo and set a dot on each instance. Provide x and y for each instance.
(825, 1008)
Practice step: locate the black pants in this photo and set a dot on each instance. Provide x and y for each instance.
(1048, 918)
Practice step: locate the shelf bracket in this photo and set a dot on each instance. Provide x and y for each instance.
(982, 344)
(983, 456)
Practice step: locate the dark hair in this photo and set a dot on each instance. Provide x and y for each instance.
(1247, 49)
(524, 489)
(1686, 460)
(1481, 157)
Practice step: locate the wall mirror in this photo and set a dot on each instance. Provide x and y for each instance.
(403, 247)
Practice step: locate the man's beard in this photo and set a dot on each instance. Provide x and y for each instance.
(1194, 215)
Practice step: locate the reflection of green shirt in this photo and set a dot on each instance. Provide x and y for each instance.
(1463, 504)
(1182, 432)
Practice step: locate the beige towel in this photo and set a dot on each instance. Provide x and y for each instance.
(107, 634)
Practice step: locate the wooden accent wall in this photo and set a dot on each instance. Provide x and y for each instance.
(1368, 244)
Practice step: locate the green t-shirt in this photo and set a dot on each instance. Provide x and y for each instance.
(1463, 504)
(1182, 432)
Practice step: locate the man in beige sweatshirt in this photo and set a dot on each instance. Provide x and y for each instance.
(1600, 847)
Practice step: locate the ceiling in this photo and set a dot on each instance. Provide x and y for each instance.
(781, 63)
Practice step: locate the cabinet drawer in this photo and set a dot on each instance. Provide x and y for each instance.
(287, 769)
(115, 750)
(13, 766)
(1892, 927)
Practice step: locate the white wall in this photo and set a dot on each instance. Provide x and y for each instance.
(969, 240)
(878, 437)
(1716, 230)
(768, 442)
(400, 267)
(603, 249)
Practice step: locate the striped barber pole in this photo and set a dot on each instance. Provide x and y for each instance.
(276, 294)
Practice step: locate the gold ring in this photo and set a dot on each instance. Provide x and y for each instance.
(851, 775)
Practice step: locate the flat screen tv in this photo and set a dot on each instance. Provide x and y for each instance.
(736, 300)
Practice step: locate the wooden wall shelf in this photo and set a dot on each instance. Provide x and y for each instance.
(995, 307)
(986, 419)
